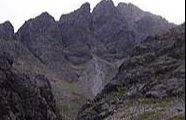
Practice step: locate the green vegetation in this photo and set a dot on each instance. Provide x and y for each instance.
(70, 102)
(165, 102)
(151, 108)
(69, 110)
(178, 117)
(114, 95)
(147, 116)
(71, 87)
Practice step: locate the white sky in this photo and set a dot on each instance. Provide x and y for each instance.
(18, 11)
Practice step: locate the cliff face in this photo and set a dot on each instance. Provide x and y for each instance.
(6, 30)
(141, 19)
(112, 31)
(23, 97)
(24, 60)
(149, 84)
(76, 33)
(42, 38)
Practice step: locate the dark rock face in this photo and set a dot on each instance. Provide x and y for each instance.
(6, 30)
(44, 41)
(76, 33)
(42, 37)
(112, 31)
(23, 97)
(155, 71)
(119, 28)
(76, 22)
(145, 23)
(24, 60)
(104, 11)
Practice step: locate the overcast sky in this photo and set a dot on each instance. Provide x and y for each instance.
(18, 11)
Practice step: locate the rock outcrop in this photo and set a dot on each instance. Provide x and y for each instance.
(112, 31)
(24, 60)
(23, 97)
(150, 83)
(6, 30)
(120, 28)
(42, 37)
(76, 33)
(145, 23)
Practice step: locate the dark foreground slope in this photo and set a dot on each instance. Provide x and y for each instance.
(23, 97)
(150, 83)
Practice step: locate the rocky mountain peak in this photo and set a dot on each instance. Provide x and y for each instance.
(41, 25)
(41, 21)
(44, 19)
(45, 16)
(106, 3)
(131, 12)
(7, 24)
(85, 7)
(105, 12)
(105, 6)
(75, 29)
(40, 31)
(82, 13)
(128, 5)
(6, 30)
(77, 22)
(144, 22)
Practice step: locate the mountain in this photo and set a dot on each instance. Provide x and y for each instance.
(80, 53)
(149, 84)
(81, 37)
(112, 31)
(42, 38)
(24, 59)
(145, 23)
(118, 31)
(6, 30)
